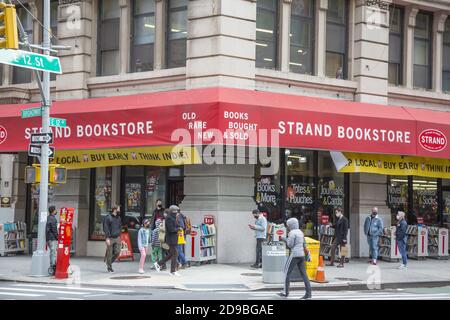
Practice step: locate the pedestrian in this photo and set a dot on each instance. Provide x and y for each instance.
(181, 221)
(340, 238)
(400, 235)
(158, 213)
(296, 242)
(260, 228)
(112, 228)
(373, 229)
(172, 240)
(157, 253)
(143, 241)
(51, 235)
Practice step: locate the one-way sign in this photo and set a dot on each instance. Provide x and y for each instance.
(42, 137)
(34, 150)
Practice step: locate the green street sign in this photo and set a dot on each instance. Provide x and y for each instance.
(30, 60)
(55, 122)
(33, 112)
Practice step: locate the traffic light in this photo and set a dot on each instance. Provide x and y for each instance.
(9, 38)
(58, 175)
(32, 174)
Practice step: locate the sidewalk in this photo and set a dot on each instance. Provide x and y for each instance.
(212, 277)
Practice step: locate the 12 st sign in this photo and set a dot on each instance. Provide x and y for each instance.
(30, 60)
(42, 137)
(34, 150)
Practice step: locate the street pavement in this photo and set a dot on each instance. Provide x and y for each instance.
(22, 291)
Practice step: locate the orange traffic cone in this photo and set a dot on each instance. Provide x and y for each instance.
(320, 276)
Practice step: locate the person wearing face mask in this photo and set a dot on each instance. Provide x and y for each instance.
(373, 229)
(400, 235)
(112, 228)
(158, 213)
(260, 228)
(341, 230)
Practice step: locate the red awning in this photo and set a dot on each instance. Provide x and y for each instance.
(233, 116)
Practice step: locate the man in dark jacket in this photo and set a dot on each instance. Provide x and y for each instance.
(112, 228)
(51, 235)
(158, 213)
(171, 240)
(400, 235)
(341, 230)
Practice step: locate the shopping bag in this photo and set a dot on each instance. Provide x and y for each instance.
(344, 251)
(181, 239)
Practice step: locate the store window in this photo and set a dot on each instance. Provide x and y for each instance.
(425, 201)
(336, 48)
(102, 201)
(331, 186)
(300, 184)
(22, 75)
(268, 195)
(395, 46)
(446, 58)
(108, 34)
(397, 193)
(266, 33)
(143, 36)
(422, 51)
(446, 203)
(302, 36)
(177, 33)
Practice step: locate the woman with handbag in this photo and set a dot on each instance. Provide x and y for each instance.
(299, 255)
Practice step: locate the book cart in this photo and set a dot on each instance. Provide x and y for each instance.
(388, 245)
(201, 243)
(417, 243)
(437, 243)
(12, 238)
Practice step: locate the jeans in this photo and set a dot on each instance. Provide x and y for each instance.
(52, 246)
(402, 248)
(144, 251)
(157, 254)
(113, 251)
(181, 256)
(300, 263)
(172, 256)
(373, 246)
(259, 243)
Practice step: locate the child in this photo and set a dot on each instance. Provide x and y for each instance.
(143, 240)
(156, 244)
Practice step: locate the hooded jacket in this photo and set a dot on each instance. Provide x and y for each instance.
(295, 238)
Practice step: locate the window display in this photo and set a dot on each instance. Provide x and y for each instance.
(397, 192)
(425, 201)
(103, 192)
(267, 195)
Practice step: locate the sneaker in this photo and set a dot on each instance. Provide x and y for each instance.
(370, 261)
(110, 270)
(157, 267)
(141, 271)
(401, 267)
(340, 265)
(176, 274)
(374, 262)
(254, 266)
(305, 297)
(282, 294)
(184, 266)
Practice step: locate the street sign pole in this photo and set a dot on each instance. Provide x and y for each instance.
(40, 261)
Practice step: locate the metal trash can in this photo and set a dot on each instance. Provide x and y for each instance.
(274, 258)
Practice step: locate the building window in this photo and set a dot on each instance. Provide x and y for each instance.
(425, 206)
(22, 75)
(176, 33)
(102, 179)
(54, 28)
(302, 36)
(422, 51)
(143, 37)
(337, 29)
(108, 34)
(266, 34)
(395, 46)
(446, 58)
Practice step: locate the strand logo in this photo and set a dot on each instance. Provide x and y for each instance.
(3, 134)
(433, 140)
